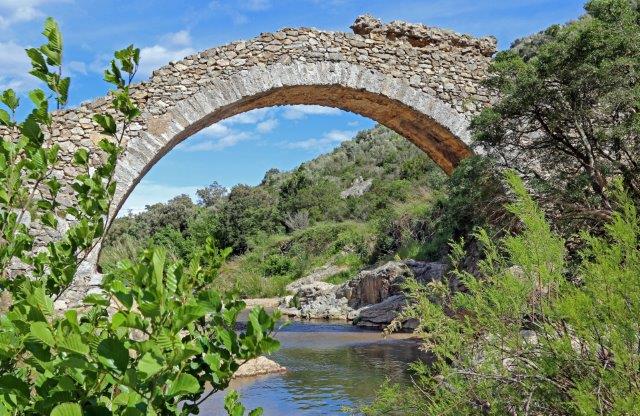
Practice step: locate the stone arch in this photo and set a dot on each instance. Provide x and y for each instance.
(425, 83)
(429, 123)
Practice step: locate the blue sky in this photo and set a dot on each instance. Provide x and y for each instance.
(241, 149)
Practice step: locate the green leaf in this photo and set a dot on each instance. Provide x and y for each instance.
(213, 360)
(210, 300)
(158, 259)
(40, 69)
(96, 299)
(73, 343)
(13, 385)
(41, 331)
(81, 157)
(107, 123)
(226, 338)
(53, 48)
(269, 345)
(38, 97)
(113, 354)
(32, 131)
(184, 384)
(10, 99)
(5, 118)
(50, 219)
(63, 90)
(149, 365)
(67, 409)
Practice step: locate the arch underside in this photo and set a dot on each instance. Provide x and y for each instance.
(438, 142)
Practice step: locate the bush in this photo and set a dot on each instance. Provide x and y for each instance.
(125, 248)
(277, 265)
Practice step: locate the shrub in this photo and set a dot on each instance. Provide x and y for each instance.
(277, 265)
(526, 338)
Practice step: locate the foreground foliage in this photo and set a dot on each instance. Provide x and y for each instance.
(526, 338)
(157, 339)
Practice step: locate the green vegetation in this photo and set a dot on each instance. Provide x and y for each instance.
(527, 338)
(568, 117)
(157, 339)
(539, 315)
(294, 222)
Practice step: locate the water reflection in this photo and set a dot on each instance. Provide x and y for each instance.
(330, 366)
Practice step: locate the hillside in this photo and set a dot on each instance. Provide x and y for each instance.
(373, 198)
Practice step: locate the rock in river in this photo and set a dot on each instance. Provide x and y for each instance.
(259, 366)
(373, 298)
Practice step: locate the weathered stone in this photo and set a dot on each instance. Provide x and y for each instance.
(373, 298)
(358, 188)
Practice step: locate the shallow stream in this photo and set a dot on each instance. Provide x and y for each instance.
(330, 366)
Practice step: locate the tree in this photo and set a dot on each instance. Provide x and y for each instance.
(248, 211)
(156, 336)
(567, 117)
(175, 213)
(211, 195)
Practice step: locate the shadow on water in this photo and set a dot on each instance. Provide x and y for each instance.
(330, 366)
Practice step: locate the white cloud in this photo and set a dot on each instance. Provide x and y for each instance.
(327, 141)
(172, 46)
(148, 192)
(267, 125)
(216, 130)
(298, 112)
(77, 67)
(180, 38)
(250, 117)
(156, 56)
(16, 11)
(14, 67)
(231, 131)
(19, 11)
(216, 143)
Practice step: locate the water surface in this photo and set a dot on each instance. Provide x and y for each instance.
(330, 366)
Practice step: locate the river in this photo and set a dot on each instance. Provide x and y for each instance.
(330, 366)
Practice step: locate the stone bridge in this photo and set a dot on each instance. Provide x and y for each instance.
(422, 82)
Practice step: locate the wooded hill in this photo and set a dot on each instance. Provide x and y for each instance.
(374, 197)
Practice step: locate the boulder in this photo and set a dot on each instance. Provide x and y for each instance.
(315, 301)
(373, 298)
(375, 285)
(259, 366)
(380, 314)
(426, 272)
(358, 188)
